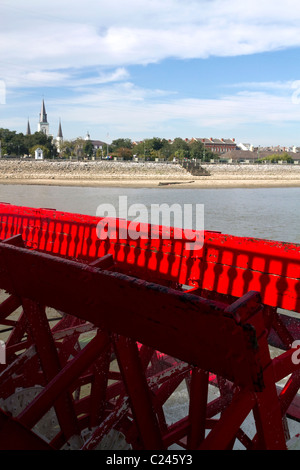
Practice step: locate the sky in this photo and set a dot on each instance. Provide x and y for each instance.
(139, 69)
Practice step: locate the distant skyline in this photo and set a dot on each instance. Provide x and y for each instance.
(141, 68)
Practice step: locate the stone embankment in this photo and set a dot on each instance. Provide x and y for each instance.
(146, 174)
(89, 170)
(257, 172)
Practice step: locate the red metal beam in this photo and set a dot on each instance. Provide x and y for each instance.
(198, 407)
(161, 319)
(227, 264)
(48, 356)
(155, 316)
(63, 380)
(138, 392)
(226, 429)
(15, 436)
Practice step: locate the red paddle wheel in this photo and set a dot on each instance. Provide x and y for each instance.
(143, 344)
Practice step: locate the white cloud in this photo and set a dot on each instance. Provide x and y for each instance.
(128, 110)
(40, 77)
(125, 110)
(276, 85)
(71, 34)
(71, 78)
(88, 46)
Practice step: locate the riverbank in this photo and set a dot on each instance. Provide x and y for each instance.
(146, 175)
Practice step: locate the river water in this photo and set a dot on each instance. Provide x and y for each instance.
(272, 213)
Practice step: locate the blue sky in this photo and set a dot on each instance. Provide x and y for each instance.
(143, 68)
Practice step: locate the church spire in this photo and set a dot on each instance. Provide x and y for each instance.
(59, 138)
(43, 125)
(43, 114)
(28, 131)
(60, 134)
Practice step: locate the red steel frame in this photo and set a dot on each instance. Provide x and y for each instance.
(144, 303)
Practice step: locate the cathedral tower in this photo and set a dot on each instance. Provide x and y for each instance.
(43, 125)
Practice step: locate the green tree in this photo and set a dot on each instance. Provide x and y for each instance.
(40, 139)
(199, 152)
(197, 149)
(151, 148)
(88, 148)
(124, 153)
(138, 149)
(147, 148)
(67, 149)
(78, 147)
(165, 150)
(12, 143)
(99, 153)
(180, 148)
(120, 143)
(181, 154)
(276, 157)
(155, 143)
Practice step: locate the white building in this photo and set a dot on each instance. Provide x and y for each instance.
(39, 154)
(246, 147)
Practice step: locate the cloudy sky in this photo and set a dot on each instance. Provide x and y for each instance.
(145, 68)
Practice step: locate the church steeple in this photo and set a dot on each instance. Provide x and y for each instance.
(59, 138)
(43, 114)
(43, 124)
(59, 134)
(28, 131)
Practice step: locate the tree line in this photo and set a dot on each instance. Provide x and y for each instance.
(150, 149)
(275, 158)
(19, 145)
